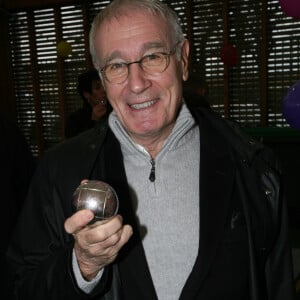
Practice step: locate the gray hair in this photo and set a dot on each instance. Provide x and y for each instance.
(119, 7)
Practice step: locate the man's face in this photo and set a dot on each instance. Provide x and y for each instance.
(146, 105)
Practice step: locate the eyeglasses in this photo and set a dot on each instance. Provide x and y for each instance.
(152, 64)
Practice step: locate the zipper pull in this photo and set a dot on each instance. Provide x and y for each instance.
(152, 172)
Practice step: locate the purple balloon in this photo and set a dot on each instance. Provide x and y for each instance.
(291, 7)
(291, 106)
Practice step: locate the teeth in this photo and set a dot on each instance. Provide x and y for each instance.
(143, 105)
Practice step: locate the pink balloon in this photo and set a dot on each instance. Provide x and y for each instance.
(291, 7)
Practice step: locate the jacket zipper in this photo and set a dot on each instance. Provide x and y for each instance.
(152, 171)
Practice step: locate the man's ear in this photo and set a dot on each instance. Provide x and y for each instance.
(185, 50)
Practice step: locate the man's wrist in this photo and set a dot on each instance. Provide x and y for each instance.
(86, 284)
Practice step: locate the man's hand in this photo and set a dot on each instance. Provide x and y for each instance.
(96, 245)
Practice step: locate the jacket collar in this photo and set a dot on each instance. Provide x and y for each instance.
(242, 144)
(216, 184)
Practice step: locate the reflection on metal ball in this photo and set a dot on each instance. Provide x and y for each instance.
(97, 196)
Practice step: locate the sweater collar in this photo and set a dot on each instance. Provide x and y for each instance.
(184, 123)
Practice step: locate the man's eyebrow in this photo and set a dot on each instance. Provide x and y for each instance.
(152, 45)
(113, 55)
(147, 46)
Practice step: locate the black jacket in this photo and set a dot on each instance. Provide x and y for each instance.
(17, 167)
(243, 248)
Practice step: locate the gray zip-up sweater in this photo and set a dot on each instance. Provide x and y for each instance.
(167, 207)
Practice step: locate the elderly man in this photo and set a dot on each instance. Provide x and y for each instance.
(201, 213)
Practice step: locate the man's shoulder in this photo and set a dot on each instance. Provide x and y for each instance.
(74, 158)
(243, 145)
(82, 145)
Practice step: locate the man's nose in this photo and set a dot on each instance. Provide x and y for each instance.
(137, 79)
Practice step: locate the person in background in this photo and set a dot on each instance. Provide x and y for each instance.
(196, 90)
(17, 166)
(201, 209)
(94, 107)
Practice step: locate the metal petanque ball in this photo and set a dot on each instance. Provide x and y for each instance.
(97, 196)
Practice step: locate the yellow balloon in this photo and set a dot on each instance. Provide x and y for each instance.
(64, 49)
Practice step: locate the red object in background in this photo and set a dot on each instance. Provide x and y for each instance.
(291, 7)
(229, 55)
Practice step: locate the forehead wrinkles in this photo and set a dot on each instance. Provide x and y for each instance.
(127, 24)
(117, 18)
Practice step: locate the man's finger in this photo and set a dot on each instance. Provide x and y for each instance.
(78, 221)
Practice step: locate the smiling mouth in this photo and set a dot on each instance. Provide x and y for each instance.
(143, 105)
